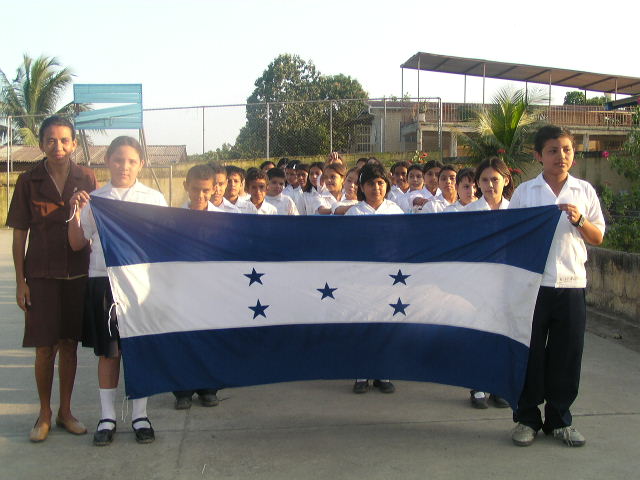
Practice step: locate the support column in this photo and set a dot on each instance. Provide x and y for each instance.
(453, 145)
(585, 142)
(418, 137)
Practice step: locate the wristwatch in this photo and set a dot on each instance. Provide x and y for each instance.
(580, 222)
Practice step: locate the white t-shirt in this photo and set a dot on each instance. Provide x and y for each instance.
(210, 207)
(568, 253)
(481, 204)
(138, 193)
(283, 203)
(395, 194)
(456, 207)
(245, 206)
(406, 201)
(343, 203)
(387, 207)
(435, 205)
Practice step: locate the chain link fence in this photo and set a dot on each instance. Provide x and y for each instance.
(246, 134)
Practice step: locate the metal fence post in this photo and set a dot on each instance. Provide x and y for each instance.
(384, 127)
(171, 185)
(203, 130)
(440, 128)
(8, 159)
(267, 130)
(331, 126)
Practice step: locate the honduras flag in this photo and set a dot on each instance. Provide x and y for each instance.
(214, 300)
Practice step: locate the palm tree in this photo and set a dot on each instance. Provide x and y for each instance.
(34, 94)
(504, 128)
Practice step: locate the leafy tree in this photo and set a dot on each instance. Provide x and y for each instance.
(577, 97)
(298, 123)
(504, 127)
(34, 94)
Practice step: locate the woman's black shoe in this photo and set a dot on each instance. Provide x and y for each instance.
(104, 436)
(144, 434)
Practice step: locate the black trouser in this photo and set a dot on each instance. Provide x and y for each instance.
(189, 393)
(555, 357)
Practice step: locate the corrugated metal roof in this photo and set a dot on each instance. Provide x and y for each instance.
(597, 82)
(158, 154)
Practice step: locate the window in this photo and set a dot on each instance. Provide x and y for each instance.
(362, 138)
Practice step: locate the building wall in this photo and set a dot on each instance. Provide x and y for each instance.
(614, 283)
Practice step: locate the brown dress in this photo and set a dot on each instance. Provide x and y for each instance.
(56, 275)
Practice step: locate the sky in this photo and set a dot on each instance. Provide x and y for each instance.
(191, 52)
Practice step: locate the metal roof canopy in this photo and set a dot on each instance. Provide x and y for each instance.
(596, 82)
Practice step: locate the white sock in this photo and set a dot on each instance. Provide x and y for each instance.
(479, 395)
(107, 407)
(139, 410)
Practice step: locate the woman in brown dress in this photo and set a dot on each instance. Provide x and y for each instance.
(51, 277)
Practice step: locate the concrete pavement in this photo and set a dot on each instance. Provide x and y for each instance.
(318, 429)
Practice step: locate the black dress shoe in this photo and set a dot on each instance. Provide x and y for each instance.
(384, 386)
(361, 386)
(209, 399)
(183, 403)
(104, 436)
(143, 434)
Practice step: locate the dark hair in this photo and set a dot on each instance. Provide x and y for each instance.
(398, 165)
(309, 186)
(124, 141)
(550, 132)
(374, 161)
(336, 167)
(414, 166)
(232, 169)
(282, 162)
(467, 173)
(499, 166)
(431, 164)
(353, 169)
(275, 173)
(449, 168)
(302, 166)
(369, 172)
(291, 164)
(199, 172)
(362, 159)
(217, 168)
(56, 120)
(266, 164)
(256, 174)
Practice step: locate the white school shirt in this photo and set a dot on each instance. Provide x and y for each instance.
(325, 199)
(405, 201)
(283, 203)
(210, 207)
(138, 193)
(227, 206)
(245, 206)
(343, 203)
(435, 205)
(363, 208)
(310, 199)
(456, 207)
(568, 253)
(481, 204)
(395, 194)
(296, 196)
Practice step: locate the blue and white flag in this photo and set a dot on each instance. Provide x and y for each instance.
(214, 300)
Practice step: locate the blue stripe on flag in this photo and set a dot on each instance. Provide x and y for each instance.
(252, 356)
(133, 233)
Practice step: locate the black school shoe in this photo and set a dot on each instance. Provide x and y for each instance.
(144, 434)
(209, 399)
(361, 387)
(104, 437)
(498, 402)
(384, 387)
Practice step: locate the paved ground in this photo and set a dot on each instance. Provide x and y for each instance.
(318, 429)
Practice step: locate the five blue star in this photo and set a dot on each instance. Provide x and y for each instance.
(254, 277)
(399, 278)
(259, 310)
(326, 291)
(398, 307)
